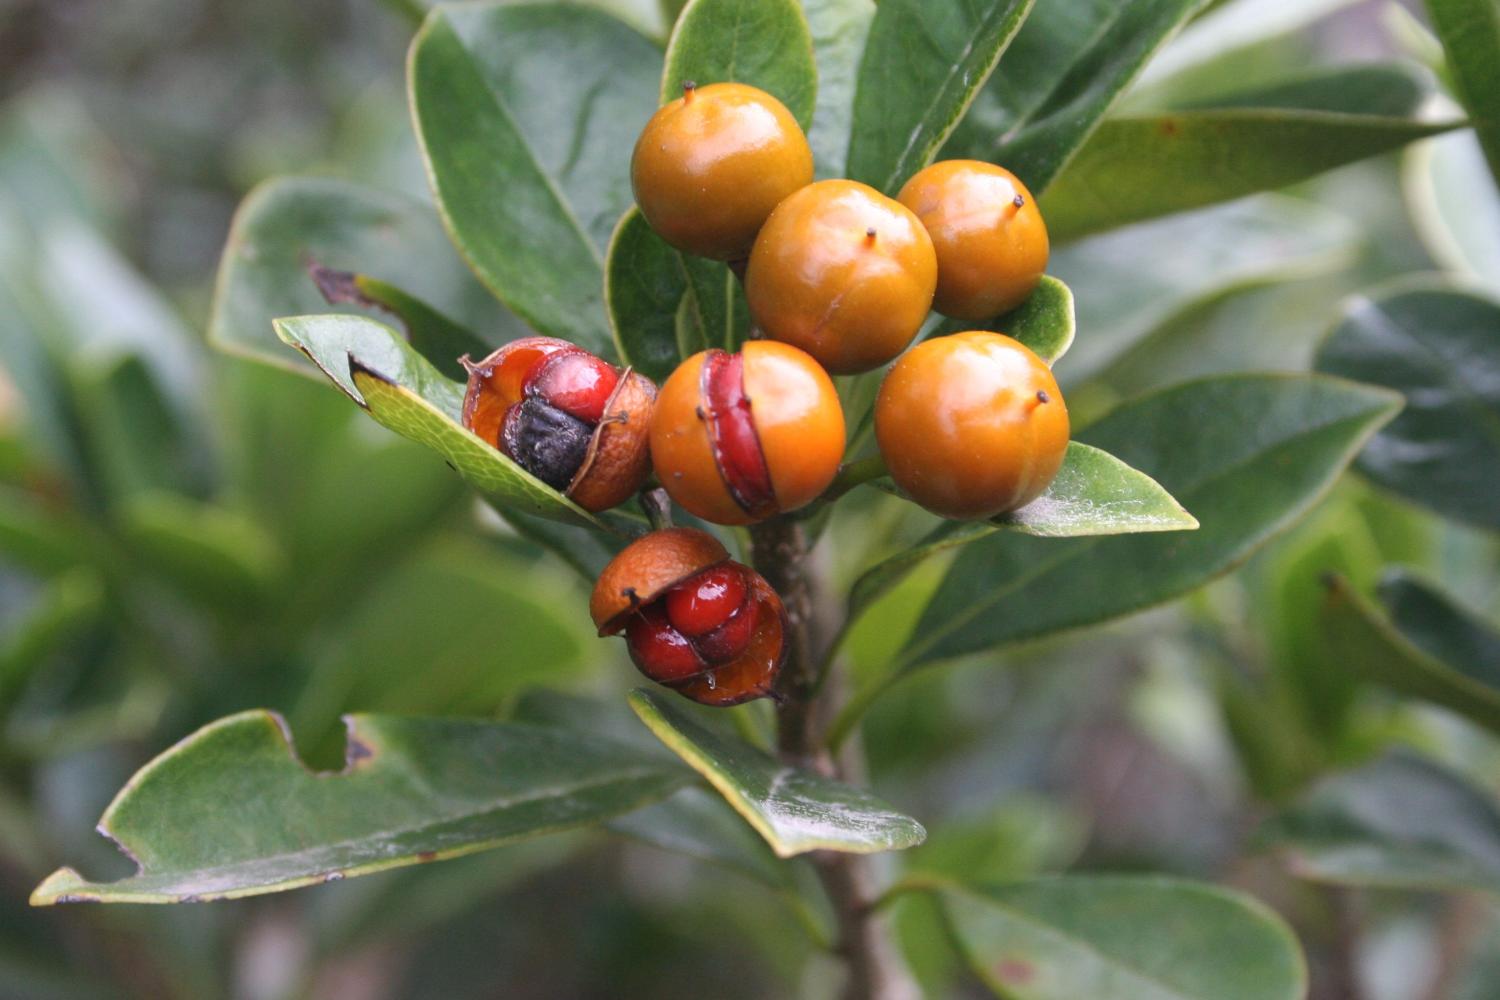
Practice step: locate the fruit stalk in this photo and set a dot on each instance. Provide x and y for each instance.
(875, 970)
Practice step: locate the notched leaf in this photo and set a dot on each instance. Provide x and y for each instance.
(232, 811)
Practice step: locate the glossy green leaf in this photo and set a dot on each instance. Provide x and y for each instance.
(1067, 65)
(1454, 207)
(1125, 938)
(1191, 259)
(1094, 494)
(1264, 448)
(839, 30)
(644, 284)
(1139, 168)
(1436, 345)
(1399, 822)
(765, 43)
(375, 366)
(923, 64)
(288, 223)
(1375, 648)
(1470, 32)
(794, 810)
(230, 811)
(1046, 322)
(526, 114)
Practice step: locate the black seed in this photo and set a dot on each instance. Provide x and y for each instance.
(547, 442)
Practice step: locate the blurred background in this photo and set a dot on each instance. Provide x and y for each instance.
(184, 534)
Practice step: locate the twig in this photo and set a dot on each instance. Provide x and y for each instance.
(874, 965)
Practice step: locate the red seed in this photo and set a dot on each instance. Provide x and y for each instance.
(575, 382)
(660, 651)
(729, 640)
(731, 428)
(702, 603)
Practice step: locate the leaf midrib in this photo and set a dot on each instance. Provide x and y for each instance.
(556, 792)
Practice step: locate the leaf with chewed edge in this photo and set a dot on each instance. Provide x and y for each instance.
(230, 811)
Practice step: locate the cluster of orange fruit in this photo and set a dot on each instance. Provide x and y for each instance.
(839, 280)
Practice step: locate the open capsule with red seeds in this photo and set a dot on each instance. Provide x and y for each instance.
(693, 619)
(737, 438)
(572, 420)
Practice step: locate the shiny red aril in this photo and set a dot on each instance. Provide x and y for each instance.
(660, 651)
(575, 382)
(732, 432)
(704, 602)
(730, 639)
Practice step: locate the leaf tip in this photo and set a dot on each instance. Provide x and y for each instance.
(62, 886)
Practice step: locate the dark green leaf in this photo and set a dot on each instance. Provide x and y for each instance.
(1470, 31)
(923, 64)
(1125, 938)
(1131, 282)
(1371, 645)
(136, 439)
(839, 29)
(1384, 89)
(231, 812)
(526, 114)
(394, 242)
(1262, 451)
(794, 810)
(1442, 627)
(765, 43)
(1140, 168)
(1068, 64)
(1399, 822)
(643, 287)
(714, 311)
(1436, 345)
(375, 366)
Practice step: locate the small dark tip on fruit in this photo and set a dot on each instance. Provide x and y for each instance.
(699, 412)
(1020, 201)
(688, 86)
(1042, 397)
(870, 234)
